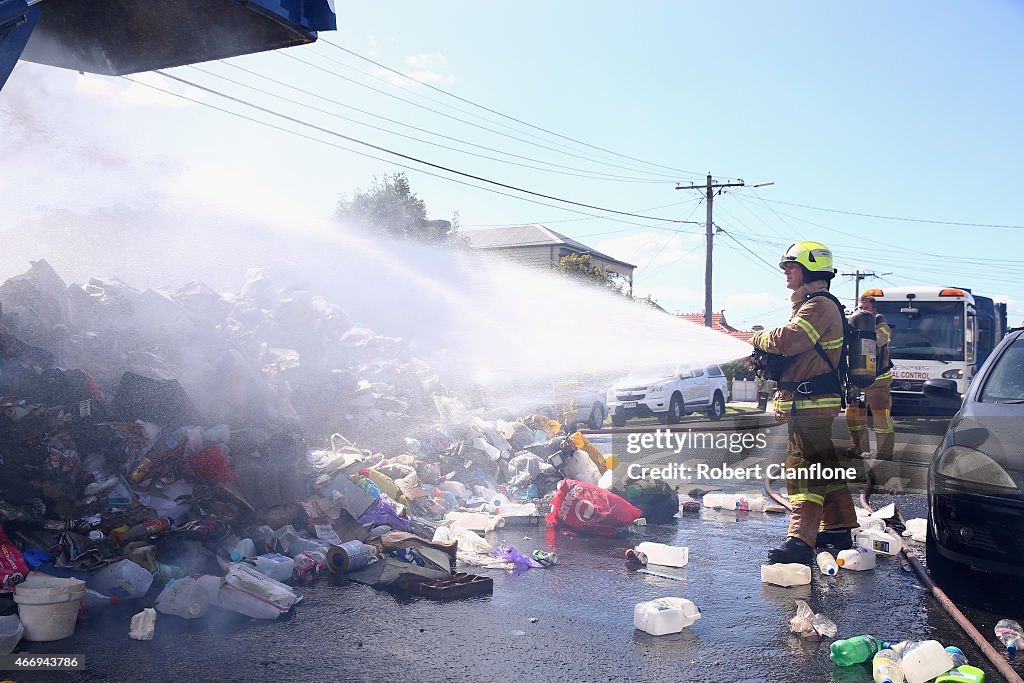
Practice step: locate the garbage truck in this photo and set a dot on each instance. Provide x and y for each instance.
(116, 37)
(941, 336)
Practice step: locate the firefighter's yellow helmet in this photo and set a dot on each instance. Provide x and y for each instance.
(814, 256)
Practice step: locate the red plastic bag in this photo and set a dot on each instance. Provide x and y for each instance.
(13, 569)
(589, 509)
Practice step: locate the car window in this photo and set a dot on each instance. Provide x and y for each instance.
(714, 371)
(1006, 380)
(697, 372)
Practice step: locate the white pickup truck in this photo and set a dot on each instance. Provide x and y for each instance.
(669, 394)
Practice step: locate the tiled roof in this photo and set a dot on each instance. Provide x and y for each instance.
(718, 323)
(529, 236)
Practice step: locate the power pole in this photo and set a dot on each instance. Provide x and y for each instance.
(859, 275)
(709, 194)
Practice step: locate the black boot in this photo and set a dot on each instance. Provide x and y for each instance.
(840, 539)
(792, 550)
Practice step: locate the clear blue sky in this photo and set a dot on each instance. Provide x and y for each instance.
(898, 109)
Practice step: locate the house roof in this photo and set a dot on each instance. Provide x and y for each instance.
(533, 235)
(719, 323)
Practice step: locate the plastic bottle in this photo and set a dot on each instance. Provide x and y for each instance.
(854, 650)
(1010, 634)
(885, 667)
(755, 504)
(923, 661)
(666, 555)
(664, 615)
(786, 574)
(244, 550)
(827, 564)
(857, 559)
(140, 532)
(885, 543)
(959, 658)
(92, 599)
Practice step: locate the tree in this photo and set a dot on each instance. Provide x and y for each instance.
(391, 208)
(578, 267)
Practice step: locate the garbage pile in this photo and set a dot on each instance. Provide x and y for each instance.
(156, 447)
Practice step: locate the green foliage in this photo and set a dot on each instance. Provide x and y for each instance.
(390, 208)
(579, 268)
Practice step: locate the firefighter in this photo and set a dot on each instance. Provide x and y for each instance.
(809, 397)
(877, 396)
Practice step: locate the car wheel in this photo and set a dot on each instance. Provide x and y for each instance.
(596, 417)
(675, 410)
(618, 420)
(717, 408)
(941, 569)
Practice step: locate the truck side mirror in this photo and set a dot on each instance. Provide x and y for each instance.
(942, 389)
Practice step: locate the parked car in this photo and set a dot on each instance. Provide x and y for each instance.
(976, 477)
(669, 394)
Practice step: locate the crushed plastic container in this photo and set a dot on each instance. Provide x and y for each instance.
(917, 529)
(811, 625)
(790, 574)
(664, 615)
(475, 521)
(184, 598)
(125, 579)
(48, 606)
(925, 660)
(885, 667)
(11, 632)
(244, 550)
(666, 555)
(856, 559)
(751, 503)
(882, 542)
(277, 567)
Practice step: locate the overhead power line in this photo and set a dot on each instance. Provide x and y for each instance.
(469, 123)
(502, 114)
(897, 218)
(389, 161)
(584, 174)
(408, 157)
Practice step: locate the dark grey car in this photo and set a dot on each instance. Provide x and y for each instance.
(976, 478)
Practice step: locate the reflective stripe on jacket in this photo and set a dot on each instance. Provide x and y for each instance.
(814, 320)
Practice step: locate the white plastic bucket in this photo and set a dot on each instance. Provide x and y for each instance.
(48, 606)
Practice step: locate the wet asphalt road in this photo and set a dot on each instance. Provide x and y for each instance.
(583, 629)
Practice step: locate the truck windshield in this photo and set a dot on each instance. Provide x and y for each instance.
(935, 332)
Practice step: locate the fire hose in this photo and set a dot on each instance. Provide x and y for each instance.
(908, 557)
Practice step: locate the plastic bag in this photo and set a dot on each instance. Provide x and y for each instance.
(383, 512)
(580, 467)
(588, 509)
(520, 563)
(811, 625)
(13, 568)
